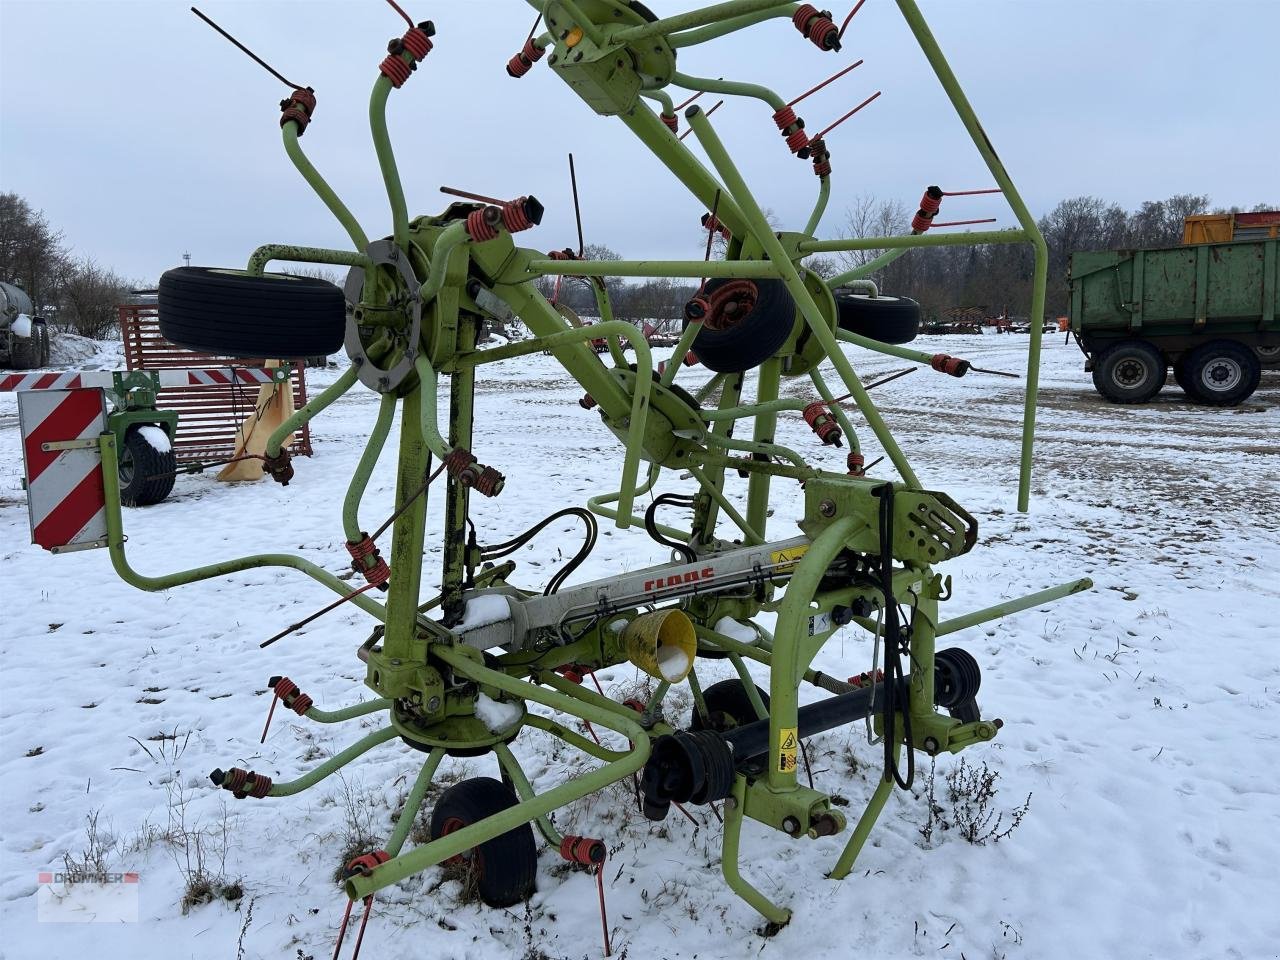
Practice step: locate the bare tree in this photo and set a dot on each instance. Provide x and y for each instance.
(90, 295)
(31, 251)
(869, 216)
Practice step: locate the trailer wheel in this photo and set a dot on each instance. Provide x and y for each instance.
(230, 313)
(25, 352)
(755, 337)
(887, 319)
(728, 707)
(504, 868)
(1181, 377)
(146, 471)
(1132, 371)
(1268, 354)
(46, 353)
(1222, 373)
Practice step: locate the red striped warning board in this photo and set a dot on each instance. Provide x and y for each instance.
(65, 495)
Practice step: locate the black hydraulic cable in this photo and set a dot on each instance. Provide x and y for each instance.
(508, 547)
(650, 525)
(894, 641)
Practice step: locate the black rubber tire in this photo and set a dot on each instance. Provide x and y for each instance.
(506, 866)
(1180, 376)
(887, 319)
(24, 352)
(957, 677)
(1222, 373)
(146, 474)
(753, 339)
(1268, 354)
(1132, 371)
(272, 317)
(46, 357)
(728, 707)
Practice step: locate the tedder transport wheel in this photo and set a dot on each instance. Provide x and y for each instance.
(504, 868)
(147, 466)
(1133, 371)
(1222, 373)
(728, 706)
(229, 312)
(755, 337)
(887, 319)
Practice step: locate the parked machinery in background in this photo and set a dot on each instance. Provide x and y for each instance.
(1210, 309)
(24, 336)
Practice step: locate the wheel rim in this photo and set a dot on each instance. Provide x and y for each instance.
(1221, 374)
(469, 858)
(1268, 353)
(1131, 372)
(125, 467)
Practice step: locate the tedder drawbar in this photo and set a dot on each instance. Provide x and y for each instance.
(454, 675)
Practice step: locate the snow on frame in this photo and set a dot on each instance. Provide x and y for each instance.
(1140, 717)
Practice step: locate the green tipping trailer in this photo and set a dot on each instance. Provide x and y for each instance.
(1207, 310)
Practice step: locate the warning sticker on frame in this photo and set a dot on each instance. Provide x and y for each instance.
(788, 557)
(788, 745)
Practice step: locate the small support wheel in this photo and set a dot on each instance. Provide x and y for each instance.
(147, 466)
(728, 707)
(1133, 371)
(504, 868)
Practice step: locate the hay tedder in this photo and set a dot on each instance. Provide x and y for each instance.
(455, 675)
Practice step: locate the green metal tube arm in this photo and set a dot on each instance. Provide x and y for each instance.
(304, 413)
(749, 269)
(714, 31)
(428, 415)
(911, 240)
(317, 183)
(732, 87)
(260, 257)
(362, 709)
(116, 541)
(924, 36)
(387, 158)
(449, 240)
(364, 469)
(996, 611)
(333, 764)
(696, 18)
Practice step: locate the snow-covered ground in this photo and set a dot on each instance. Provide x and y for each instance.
(1140, 717)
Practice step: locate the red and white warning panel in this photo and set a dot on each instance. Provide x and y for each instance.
(204, 377)
(65, 494)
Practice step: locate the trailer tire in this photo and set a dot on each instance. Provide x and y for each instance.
(503, 868)
(887, 319)
(39, 326)
(1222, 373)
(753, 339)
(24, 352)
(146, 474)
(231, 313)
(1133, 371)
(1270, 354)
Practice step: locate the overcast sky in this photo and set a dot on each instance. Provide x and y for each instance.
(143, 135)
